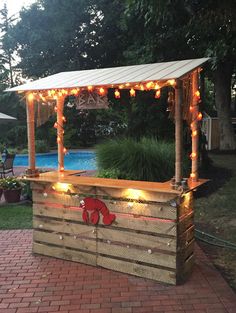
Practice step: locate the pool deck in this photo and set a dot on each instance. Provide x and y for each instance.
(34, 283)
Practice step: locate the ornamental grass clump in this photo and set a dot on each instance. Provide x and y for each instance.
(147, 159)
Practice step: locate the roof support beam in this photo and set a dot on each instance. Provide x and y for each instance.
(31, 171)
(178, 132)
(195, 127)
(60, 133)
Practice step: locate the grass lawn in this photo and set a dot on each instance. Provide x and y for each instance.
(215, 213)
(15, 216)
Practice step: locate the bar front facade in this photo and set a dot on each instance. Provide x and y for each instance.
(141, 228)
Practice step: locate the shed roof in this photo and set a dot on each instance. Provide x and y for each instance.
(114, 75)
(5, 117)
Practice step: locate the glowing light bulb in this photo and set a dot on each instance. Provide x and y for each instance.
(132, 92)
(157, 86)
(30, 97)
(55, 109)
(101, 91)
(194, 133)
(157, 94)
(191, 108)
(149, 85)
(192, 175)
(142, 87)
(199, 117)
(171, 82)
(59, 94)
(127, 84)
(192, 125)
(55, 125)
(90, 88)
(64, 119)
(53, 92)
(62, 168)
(64, 150)
(121, 86)
(193, 155)
(58, 139)
(197, 94)
(117, 94)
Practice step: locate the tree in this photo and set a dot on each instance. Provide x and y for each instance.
(188, 29)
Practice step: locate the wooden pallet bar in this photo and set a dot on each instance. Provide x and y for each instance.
(151, 237)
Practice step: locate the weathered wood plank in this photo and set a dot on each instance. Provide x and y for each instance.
(66, 254)
(65, 240)
(134, 254)
(154, 209)
(137, 269)
(140, 223)
(60, 226)
(185, 223)
(145, 240)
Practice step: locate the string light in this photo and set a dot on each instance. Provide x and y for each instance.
(64, 119)
(149, 85)
(192, 175)
(121, 86)
(197, 94)
(142, 87)
(132, 92)
(171, 82)
(199, 117)
(117, 94)
(62, 168)
(90, 88)
(58, 139)
(191, 108)
(157, 86)
(157, 94)
(194, 133)
(64, 150)
(101, 91)
(193, 155)
(127, 84)
(30, 96)
(55, 125)
(55, 109)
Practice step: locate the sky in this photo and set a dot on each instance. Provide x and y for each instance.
(14, 6)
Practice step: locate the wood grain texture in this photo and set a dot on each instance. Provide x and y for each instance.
(157, 274)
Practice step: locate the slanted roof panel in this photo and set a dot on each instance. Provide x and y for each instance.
(114, 75)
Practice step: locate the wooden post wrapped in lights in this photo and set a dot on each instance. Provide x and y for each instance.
(195, 125)
(31, 171)
(178, 132)
(137, 227)
(60, 132)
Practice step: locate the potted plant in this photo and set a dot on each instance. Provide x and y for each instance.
(11, 187)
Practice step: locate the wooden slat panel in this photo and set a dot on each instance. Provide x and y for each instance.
(149, 241)
(134, 254)
(137, 269)
(61, 226)
(66, 254)
(155, 209)
(65, 240)
(153, 225)
(186, 205)
(185, 223)
(186, 237)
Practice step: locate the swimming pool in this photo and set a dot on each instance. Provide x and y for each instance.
(82, 160)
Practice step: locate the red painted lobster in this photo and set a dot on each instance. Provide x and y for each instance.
(96, 206)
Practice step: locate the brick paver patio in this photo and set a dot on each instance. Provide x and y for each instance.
(32, 283)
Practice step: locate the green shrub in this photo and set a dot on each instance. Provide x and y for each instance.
(41, 146)
(109, 173)
(147, 159)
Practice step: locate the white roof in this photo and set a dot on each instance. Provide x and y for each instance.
(114, 75)
(6, 117)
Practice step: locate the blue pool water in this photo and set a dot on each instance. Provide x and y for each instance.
(82, 160)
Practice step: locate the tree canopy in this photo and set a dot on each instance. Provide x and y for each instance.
(58, 35)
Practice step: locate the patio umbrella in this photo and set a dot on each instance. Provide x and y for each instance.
(5, 118)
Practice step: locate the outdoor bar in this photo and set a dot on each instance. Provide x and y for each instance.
(136, 227)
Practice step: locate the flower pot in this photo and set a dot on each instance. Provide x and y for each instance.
(12, 196)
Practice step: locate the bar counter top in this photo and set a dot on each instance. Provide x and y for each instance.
(73, 177)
